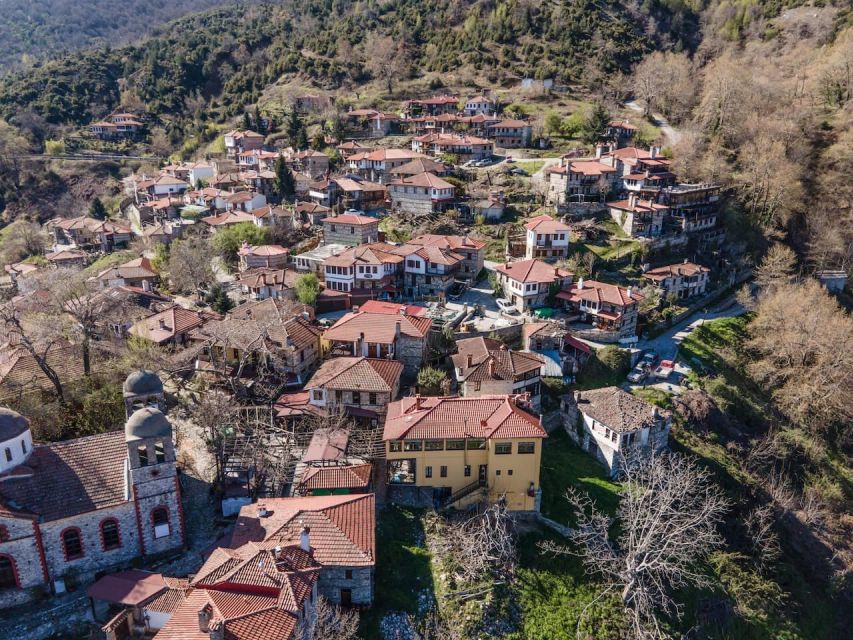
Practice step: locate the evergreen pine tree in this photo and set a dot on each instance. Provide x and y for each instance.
(594, 127)
(97, 210)
(285, 185)
(247, 121)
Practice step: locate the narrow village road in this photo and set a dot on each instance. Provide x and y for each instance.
(672, 134)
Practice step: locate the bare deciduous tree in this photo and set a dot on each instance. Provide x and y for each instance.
(761, 527)
(328, 622)
(190, 263)
(668, 514)
(778, 266)
(801, 347)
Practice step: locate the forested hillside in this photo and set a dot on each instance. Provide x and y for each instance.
(32, 31)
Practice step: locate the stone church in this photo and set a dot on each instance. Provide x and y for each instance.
(71, 509)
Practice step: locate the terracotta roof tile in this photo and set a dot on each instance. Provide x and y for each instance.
(453, 417)
(377, 327)
(617, 409)
(337, 477)
(363, 374)
(532, 271)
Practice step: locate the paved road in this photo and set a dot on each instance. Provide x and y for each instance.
(666, 344)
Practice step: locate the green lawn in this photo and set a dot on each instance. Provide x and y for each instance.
(564, 465)
(530, 166)
(552, 592)
(402, 566)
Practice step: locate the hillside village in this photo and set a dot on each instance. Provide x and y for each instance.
(377, 379)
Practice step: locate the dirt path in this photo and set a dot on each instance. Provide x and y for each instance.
(672, 134)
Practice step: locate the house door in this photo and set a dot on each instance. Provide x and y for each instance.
(484, 468)
(346, 597)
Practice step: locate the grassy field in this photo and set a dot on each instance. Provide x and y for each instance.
(402, 567)
(564, 465)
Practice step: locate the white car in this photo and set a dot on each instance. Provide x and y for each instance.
(506, 307)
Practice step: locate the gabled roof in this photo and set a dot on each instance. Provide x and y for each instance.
(453, 417)
(685, 269)
(164, 326)
(268, 277)
(617, 409)
(376, 253)
(263, 250)
(337, 477)
(419, 165)
(448, 242)
(532, 271)
(327, 445)
(377, 327)
(509, 124)
(229, 217)
(637, 205)
(351, 218)
(65, 479)
(392, 308)
(428, 180)
(491, 360)
(342, 528)
(595, 291)
(583, 167)
(546, 224)
(359, 374)
(137, 268)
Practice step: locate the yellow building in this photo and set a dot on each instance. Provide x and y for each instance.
(455, 451)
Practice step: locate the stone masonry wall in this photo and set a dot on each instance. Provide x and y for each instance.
(333, 579)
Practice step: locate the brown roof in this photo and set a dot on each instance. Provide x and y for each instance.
(491, 360)
(637, 205)
(130, 588)
(392, 308)
(337, 477)
(166, 325)
(583, 167)
(267, 277)
(532, 271)
(343, 528)
(419, 165)
(421, 180)
(65, 479)
(377, 327)
(327, 445)
(617, 409)
(546, 224)
(453, 417)
(448, 242)
(245, 333)
(19, 371)
(350, 218)
(363, 374)
(138, 268)
(599, 292)
(674, 270)
(375, 253)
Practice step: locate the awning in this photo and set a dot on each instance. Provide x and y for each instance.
(359, 412)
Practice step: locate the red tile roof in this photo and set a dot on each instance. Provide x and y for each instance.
(685, 268)
(453, 417)
(599, 292)
(491, 360)
(343, 528)
(546, 224)
(362, 374)
(421, 180)
(166, 325)
(337, 477)
(377, 327)
(532, 271)
(448, 242)
(392, 308)
(327, 445)
(350, 218)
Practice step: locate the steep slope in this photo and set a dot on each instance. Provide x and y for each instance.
(32, 31)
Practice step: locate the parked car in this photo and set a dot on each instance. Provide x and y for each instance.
(664, 369)
(638, 374)
(518, 171)
(650, 358)
(506, 307)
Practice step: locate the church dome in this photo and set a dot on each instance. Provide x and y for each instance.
(142, 383)
(12, 424)
(147, 423)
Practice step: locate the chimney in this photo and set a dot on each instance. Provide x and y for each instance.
(355, 308)
(418, 402)
(632, 200)
(204, 615)
(685, 261)
(492, 367)
(306, 316)
(629, 293)
(397, 329)
(262, 511)
(653, 152)
(217, 630)
(146, 286)
(163, 323)
(599, 149)
(305, 538)
(469, 360)
(580, 283)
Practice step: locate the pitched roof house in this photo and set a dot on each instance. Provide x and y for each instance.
(461, 448)
(486, 367)
(609, 308)
(528, 283)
